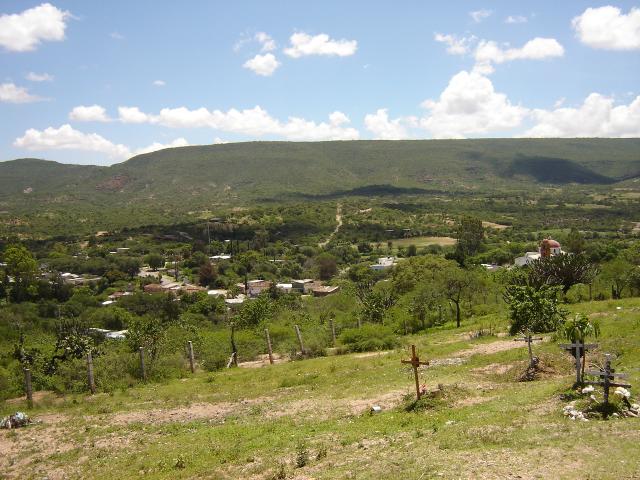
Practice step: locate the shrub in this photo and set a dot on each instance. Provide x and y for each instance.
(368, 338)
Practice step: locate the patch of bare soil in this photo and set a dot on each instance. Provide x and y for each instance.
(489, 348)
(38, 397)
(372, 354)
(263, 361)
(195, 411)
(493, 369)
(470, 401)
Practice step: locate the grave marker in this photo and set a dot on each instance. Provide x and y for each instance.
(529, 339)
(607, 377)
(580, 351)
(415, 364)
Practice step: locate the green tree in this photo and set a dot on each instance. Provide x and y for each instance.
(618, 273)
(327, 266)
(207, 274)
(22, 267)
(575, 243)
(154, 260)
(469, 234)
(456, 284)
(532, 309)
(564, 270)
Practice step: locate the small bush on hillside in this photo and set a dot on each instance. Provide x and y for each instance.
(369, 338)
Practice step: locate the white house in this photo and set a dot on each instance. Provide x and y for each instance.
(384, 263)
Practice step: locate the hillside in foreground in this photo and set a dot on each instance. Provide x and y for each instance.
(183, 181)
(310, 418)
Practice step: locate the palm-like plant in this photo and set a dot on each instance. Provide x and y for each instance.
(577, 329)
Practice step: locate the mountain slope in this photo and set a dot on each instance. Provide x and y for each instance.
(169, 182)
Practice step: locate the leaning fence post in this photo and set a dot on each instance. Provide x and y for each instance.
(143, 370)
(190, 351)
(28, 388)
(299, 335)
(269, 350)
(91, 380)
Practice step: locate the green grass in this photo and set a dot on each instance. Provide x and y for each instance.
(488, 426)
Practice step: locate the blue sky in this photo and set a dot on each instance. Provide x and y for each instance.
(97, 82)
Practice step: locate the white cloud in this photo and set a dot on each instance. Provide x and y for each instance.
(596, 117)
(132, 115)
(263, 65)
(268, 43)
(219, 141)
(608, 28)
(23, 32)
(159, 83)
(383, 128)
(480, 15)
(66, 138)
(39, 77)
(515, 19)
(116, 36)
(303, 44)
(470, 106)
(91, 113)
(455, 45)
(253, 122)
(178, 142)
(11, 93)
(489, 52)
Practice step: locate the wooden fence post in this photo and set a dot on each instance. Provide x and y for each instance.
(191, 360)
(91, 380)
(269, 350)
(299, 335)
(333, 332)
(28, 388)
(143, 370)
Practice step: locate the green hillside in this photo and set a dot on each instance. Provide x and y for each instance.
(174, 181)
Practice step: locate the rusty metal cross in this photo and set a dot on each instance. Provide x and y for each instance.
(415, 364)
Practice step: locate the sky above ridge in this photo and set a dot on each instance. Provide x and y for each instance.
(99, 82)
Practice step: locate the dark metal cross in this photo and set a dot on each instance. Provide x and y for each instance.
(607, 378)
(580, 349)
(415, 364)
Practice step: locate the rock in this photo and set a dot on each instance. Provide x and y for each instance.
(376, 409)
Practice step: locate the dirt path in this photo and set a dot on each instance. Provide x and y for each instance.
(335, 230)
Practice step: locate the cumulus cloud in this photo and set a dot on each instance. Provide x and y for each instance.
(268, 43)
(178, 142)
(479, 15)
(11, 93)
(66, 138)
(23, 32)
(263, 65)
(384, 129)
(515, 19)
(132, 115)
(303, 44)
(253, 122)
(489, 52)
(469, 105)
(116, 36)
(596, 117)
(39, 77)
(455, 45)
(608, 28)
(91, 113)
(159, 83)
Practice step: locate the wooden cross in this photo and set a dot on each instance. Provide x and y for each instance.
(607, 374)
(529, 339)
(580, 349)
(415, 364)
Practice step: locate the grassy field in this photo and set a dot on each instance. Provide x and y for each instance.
(423, 241)
(310, 419)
